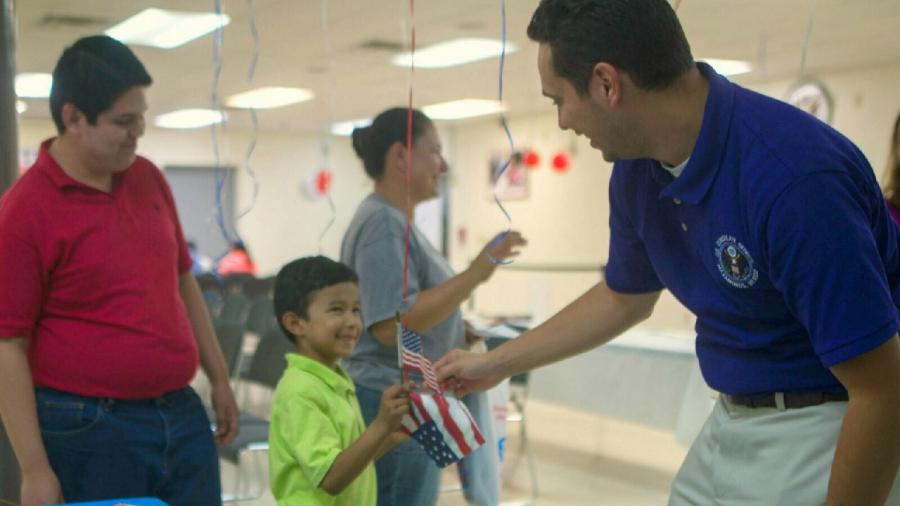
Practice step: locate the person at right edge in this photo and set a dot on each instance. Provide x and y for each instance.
(892, 188)
(767, 224)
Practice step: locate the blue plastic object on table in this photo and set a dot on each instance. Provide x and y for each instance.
(134, 501)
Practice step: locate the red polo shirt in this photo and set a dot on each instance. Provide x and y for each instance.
(91, 279)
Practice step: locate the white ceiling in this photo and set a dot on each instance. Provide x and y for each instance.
(351, 82)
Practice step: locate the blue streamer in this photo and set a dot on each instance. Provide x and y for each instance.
(221, 176)
(509, 138)
(247, 168)
(251, 71)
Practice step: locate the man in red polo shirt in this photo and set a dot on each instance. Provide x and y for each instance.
(101, 322)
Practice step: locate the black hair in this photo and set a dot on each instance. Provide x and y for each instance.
(643, 38)
(892, 188)
(372, 142)
(91, 74)
(298, 281)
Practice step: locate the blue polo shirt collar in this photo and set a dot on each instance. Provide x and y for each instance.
(696, 180)
(336, 379)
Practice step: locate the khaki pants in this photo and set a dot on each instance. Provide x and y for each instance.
(762, 457)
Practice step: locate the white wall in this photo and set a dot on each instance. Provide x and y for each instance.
(565, 216)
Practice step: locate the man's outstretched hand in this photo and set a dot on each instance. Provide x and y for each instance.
(464, 372)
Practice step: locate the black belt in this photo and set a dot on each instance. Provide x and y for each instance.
(788, 400)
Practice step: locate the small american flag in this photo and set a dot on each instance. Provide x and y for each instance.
(441, 424)
(412, 358)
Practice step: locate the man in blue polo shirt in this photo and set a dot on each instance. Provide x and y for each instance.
(767, 224)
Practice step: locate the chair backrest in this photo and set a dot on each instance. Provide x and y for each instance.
(258, 287)
(261, 318)
(234, 310)
(234, 283)
(213, 293)
(209, 281)
(231, 339)
(269, 362)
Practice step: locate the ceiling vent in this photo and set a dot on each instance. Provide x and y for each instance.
(382, 45)
(70, 21)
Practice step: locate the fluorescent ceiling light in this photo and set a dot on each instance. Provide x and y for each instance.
(166, 29)
(21, 106)
(729, 67)
(345, 128)
(189, 118)
(454, 52)
(465, 108)
(33, 85)
(268, 98)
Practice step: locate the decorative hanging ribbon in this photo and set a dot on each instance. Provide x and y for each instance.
(251, 72)
(409, 167)
(512, 149)
(809, 28)
(323, 181)
(325, 146)
(221, 176)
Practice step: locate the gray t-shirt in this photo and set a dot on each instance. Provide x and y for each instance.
(374, 247)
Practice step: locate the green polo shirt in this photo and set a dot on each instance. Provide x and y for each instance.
(315, 416)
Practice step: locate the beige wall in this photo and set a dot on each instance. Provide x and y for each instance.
(283, 223)
(564, 217)
(866, 104)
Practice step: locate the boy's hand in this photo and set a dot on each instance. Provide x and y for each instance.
(398, 437)
(394, 404)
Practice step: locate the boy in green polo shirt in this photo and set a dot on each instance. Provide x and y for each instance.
(320, 451)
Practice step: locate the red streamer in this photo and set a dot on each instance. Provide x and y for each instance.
(409, 118)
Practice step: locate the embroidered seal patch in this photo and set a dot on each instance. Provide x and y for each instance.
(735, 263)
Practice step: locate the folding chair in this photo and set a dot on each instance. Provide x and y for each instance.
(231, 339)
(269, 361)
(261, 317)
(252, 440)
(213, 291)
(234, 310)
(266, 367)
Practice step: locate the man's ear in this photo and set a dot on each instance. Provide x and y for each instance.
(294, 323)
(606, 84)
(72, 117)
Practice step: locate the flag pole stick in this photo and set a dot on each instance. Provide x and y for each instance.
(399, 342)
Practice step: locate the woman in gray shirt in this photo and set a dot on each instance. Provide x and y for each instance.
(375, 246)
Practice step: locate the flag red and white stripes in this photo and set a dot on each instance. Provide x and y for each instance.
(440, 423)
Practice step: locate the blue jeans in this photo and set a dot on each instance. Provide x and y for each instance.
(107, 448)
(479, 472)
(406, 475)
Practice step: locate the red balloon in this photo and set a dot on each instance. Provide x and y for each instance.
(323, 181)
(561, 162)
(531, 160)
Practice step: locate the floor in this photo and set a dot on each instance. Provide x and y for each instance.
(579, 459)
